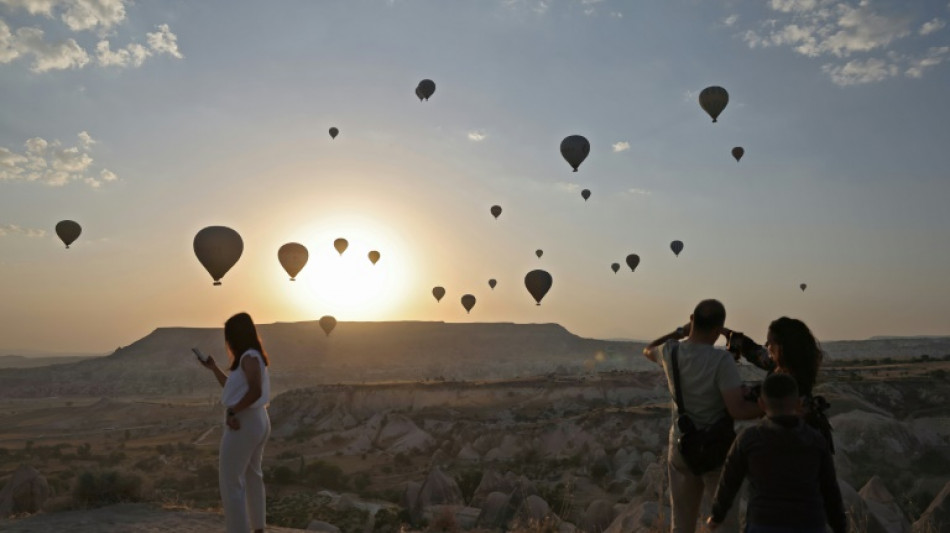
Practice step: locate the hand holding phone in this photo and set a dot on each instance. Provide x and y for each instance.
(201, 356)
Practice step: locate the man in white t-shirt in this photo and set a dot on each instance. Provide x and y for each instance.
(711, 389)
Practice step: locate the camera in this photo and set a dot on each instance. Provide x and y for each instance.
(735, 342)
(751, 392)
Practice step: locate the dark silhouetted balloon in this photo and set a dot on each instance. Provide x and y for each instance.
(492, 283)
(438, 292)
(713, 100)
(218, 249)
(425, 89)
(615, 267)
(334, 132)
(340, 245)
(738, 152)
(468, 302)
(538, 283)
(292, 256)
(68, 231)
(539, 253)
(374, 256)
(327, 323)
(677, 247)
(496, 211)
(585, 194)
(574, 150)
(632, 261)
(803, 286)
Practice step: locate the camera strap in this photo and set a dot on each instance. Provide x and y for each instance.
(677, 392)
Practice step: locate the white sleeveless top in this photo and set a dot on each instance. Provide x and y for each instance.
(236, 385)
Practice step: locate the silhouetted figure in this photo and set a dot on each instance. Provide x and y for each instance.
(792, 481)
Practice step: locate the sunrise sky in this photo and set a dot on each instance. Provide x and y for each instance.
(148, 121)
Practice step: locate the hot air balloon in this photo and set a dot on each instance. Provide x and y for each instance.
(218, 248)
(496, 211)
(803, 286)
(713, 100)
(574, 150)
(340, 245)
(585, 194)
(677, 247)
(539, 253)
(632, 261)
(538, 283)
(615, 267)
(327, 323)
(292, 256)
(425, 89)
(68, 231)
(438, 292)
(492, 283)
(374, 256)
(468, 302)
(738, 152)
(334, 132)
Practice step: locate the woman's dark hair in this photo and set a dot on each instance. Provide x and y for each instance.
(241, 336)
(801, 354)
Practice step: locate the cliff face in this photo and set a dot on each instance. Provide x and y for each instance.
(301, 355)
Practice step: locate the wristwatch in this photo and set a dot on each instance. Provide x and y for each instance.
(230, 412)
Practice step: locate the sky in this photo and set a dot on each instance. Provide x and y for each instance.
(148, 121)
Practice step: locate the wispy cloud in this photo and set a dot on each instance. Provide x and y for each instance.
(78, 15)
(476, 136)
(567, 187)
(639, 192)
(620, 146)
(46, 56)
(13, 229)
(730, 20)
(932, 58)
(52, 163)
(932, 25)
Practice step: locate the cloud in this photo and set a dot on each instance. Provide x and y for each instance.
(567, 187)
(857, 72)
(932, 58)
(639, 192)
(476, 136)
(13, 229)
(730, 20)
(932, 25)
(616, 14)
(30, 42)
(164, 41)
(132, 55)
(78, 15)
(53, 164)
(620, 146)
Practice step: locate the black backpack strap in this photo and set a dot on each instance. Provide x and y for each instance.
(678, 393)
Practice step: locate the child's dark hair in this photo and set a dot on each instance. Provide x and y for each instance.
(779, 387)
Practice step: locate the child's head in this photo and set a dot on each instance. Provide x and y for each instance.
(779, 395)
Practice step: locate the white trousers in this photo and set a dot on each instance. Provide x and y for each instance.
(239, 471)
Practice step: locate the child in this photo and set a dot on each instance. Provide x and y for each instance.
(792, 482)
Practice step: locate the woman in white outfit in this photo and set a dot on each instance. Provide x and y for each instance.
(247, 426)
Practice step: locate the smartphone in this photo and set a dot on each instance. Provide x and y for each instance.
(201, 357)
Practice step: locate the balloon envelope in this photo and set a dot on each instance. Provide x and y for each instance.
(492, 283)
(574, 150)
(68, 231)
(438, 292)
(803, 286)
(334, 132)
(374, 256)
(632, 261)
(293, 257)
(538, 283)
(585, 194)
(468, 302)
(539, 253)
(713, 100)
(677, 247)
(327, 323)
(218, 248)
(737, 153)
(425, 89)
(496, 211)
(615, 267)
(340, 245)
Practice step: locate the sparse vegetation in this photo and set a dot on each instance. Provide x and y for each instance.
(94, 489)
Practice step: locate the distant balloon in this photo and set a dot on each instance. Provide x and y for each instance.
(327, 323)
(218, 249)
(425, 89)
(438, 292)
(340, 245)
(632, 261)
(334, 132)
(615, 267)
(293, 257)
(538, 283)
(738, 152)
(496, 211)
(468, 302)
(677, 247)
(492, 283)
(574, 150)
(585, 194)
(374, 256)
(803, 286)
(539, 253)
(68, 231)
(713, 100)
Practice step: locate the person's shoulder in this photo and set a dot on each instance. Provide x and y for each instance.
(251, 352)
(813, 437)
